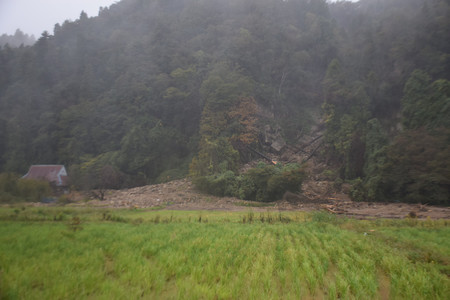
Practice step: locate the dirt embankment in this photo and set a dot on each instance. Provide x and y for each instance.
(318, 192)
(317, 195)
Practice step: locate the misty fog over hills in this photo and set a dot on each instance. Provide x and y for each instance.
(159, 89)
(18, 39)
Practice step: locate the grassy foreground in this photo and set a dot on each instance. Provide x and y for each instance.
(57, 253)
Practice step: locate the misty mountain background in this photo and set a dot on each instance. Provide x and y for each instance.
(144, 92)
(17, 39)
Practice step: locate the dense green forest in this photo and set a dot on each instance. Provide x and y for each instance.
(152, 90)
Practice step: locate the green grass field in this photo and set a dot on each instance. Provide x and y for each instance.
(59, 253)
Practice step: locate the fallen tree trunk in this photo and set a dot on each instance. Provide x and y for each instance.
(312, 153)
(262, 155)
(310, 143)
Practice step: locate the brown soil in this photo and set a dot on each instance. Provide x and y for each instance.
(318, 192)
(317, 195)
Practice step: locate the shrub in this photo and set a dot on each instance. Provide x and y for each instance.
(8, 198)
(33, 190)
(337, 184)
(247, 188)
(258, 179)
(223, 184)
(64, 199)
(8, 183)
(326, 217)
(264, 183)
(15, 189)
(268, 183)
(329, 174)
(288, 179)
(358, 191)
(93, 174)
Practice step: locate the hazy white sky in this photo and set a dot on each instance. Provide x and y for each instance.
(35, 16)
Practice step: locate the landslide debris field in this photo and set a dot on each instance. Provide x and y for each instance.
(317, 195)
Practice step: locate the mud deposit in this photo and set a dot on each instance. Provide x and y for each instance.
(317, 195)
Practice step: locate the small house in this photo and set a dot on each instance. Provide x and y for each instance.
(55, 174)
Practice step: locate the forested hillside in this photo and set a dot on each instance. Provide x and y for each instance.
(152, 90)
(18, 39)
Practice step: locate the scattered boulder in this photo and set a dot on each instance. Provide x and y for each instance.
(273, 138)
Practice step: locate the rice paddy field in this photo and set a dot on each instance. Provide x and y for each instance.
(69, 253)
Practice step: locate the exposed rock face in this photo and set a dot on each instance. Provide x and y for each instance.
(273, 138)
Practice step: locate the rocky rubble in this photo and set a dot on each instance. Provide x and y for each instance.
(319, 192)
(180, 195)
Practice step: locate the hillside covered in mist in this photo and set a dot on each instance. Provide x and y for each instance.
(152, 90)
(17, 40)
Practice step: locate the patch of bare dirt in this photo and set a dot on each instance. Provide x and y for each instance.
(317, 195)
(177, 195)
(364, 210)
(319, 192)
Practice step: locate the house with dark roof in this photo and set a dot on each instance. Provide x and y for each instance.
(55, 174)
